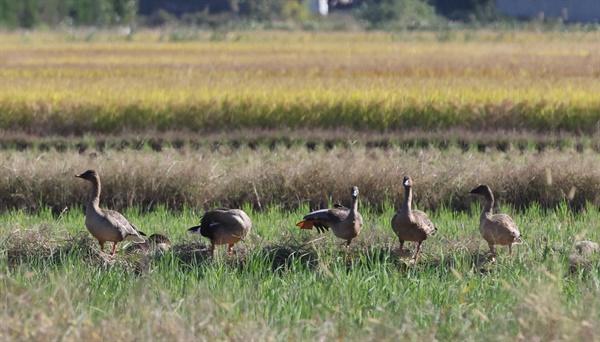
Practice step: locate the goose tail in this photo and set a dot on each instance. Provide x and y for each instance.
(195, 229)
(135, 238)
(305, 225)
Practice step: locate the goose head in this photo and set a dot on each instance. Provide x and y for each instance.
(407, 182)
(160, 241)
(354, 191)
(482, 190)
(89, 175)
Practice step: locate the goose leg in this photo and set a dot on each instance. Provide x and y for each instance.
(101, 245)
(230, 250)
(416, 257)
(510, 250)
(401, 251)
(212, 249)
(114, 249)
(493, 251)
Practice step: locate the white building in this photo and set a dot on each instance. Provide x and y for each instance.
(319, 6)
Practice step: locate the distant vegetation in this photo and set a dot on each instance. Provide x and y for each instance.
(252, 14)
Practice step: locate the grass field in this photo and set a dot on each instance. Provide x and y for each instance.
(284, 283)
(281, 123)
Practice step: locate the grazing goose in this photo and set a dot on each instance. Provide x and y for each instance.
(411, 225)
(223, 226)
(586, 247)
(345, 223)
(499, 229)
(155, 242)
(106, 225)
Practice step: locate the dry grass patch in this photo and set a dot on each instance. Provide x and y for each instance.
(288, 178)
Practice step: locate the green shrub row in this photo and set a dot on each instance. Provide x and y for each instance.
(232, 114)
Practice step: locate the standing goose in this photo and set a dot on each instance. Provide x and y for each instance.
(411, 225)
(106, 225)
(499, 229)
(345, 223)
(223, 226)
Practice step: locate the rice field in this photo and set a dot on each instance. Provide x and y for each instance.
(279, 124)
(272, 80)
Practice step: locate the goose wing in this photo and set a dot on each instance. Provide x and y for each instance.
(209, 223)
(323, 219)
(222, 220)
(507, 224)
(424, 222)
(125, 227)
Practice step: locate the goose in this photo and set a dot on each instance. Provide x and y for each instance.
(345, 223)
(106, 225)
(155, 242)
(586, 247)
(411, 225)
(499, 229)
(223, 226)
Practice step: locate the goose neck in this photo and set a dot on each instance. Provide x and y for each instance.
(406, 207)
(487, 209)
(354, 208)
(94, 201)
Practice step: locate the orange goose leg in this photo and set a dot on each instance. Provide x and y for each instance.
(114, 249)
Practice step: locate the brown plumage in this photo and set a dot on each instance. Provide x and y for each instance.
(223, 226)
(411, 225)
(106, 225)
(345, 223)
(587, 247)
(499, 229)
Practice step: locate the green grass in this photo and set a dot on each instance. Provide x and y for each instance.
(61, 288)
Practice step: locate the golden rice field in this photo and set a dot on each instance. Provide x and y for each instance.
(55, 83)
